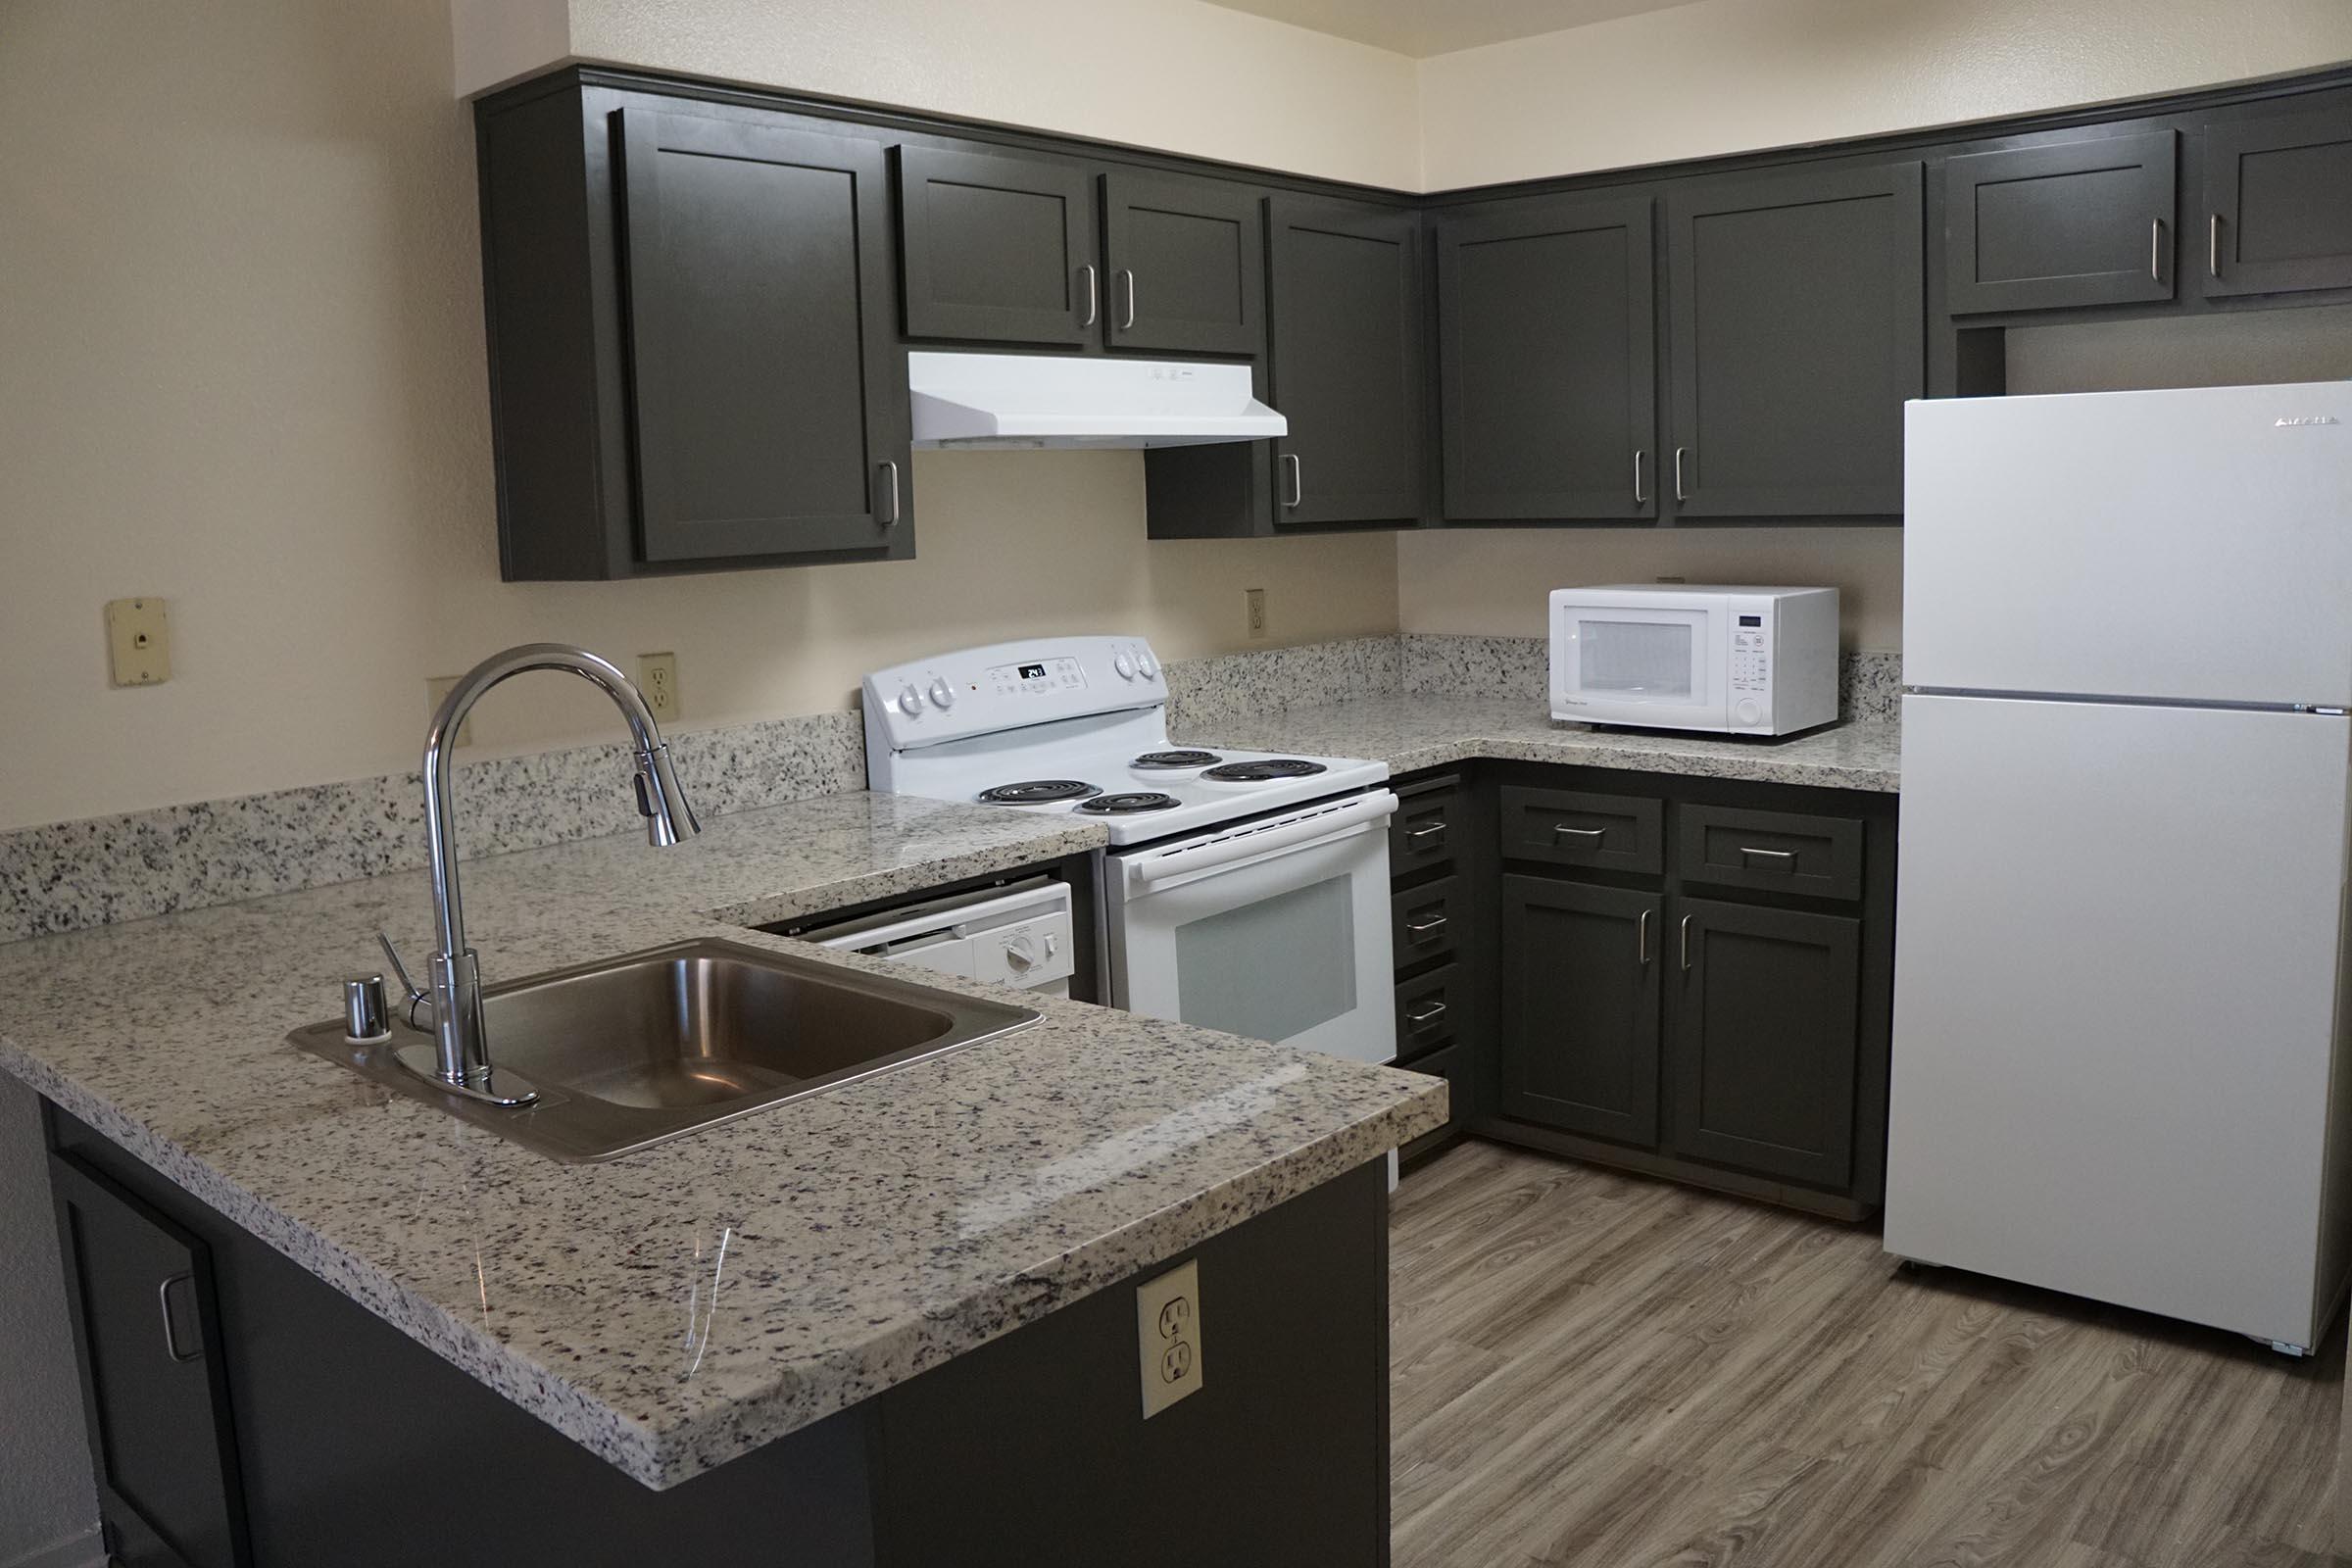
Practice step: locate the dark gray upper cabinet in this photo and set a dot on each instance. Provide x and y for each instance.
(2279, 204)
(1347, 364)
(1797, 317)
(769, 416)
(2084, 222)
(1578, 1047)
(139, 1295)
(1766, 1039)
(997, 248)
(1547, 335)
(1185, 265)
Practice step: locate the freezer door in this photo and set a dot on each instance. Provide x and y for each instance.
(2115, 1011)
(2183, 545)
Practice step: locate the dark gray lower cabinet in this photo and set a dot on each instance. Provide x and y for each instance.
(1766, 1038)
(1578, 1040)
(140, 1290)
(1546, 333)
(2279, 204)
(2077, 222)
(1797, 320)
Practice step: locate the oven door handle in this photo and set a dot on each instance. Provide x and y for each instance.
(1248, 844)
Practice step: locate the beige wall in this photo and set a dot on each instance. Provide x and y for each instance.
(1734, 76)
(241, 366)
(1179, 74)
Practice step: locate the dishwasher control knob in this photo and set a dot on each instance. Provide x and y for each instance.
(1019, 955)
(943, 694)
(1145, 668)
(1123, 665)
(910, 702)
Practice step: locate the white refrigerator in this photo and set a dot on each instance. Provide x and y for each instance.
(2120, 1008)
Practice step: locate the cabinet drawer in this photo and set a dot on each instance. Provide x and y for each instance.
(1429, 1012)
(1425, 831)
(1425, 923)
(1780, 850)
(1570, 827)
(1454, 1065)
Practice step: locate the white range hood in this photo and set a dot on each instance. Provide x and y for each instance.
(1071, 400)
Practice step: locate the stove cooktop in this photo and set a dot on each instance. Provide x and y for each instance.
(1158, 792)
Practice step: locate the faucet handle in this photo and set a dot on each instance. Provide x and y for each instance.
(417, 994)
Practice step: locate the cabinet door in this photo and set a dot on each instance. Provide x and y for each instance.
(997, 248)
(769, 419)
(1797, 319)
(1347, 364)
(2279, 204)
(2037, 228)
(1579, 1043)
(139, 1291)
(1187, 264)
(1766, 1038)
(1548, 351)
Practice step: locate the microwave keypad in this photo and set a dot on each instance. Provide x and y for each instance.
(1748, 661)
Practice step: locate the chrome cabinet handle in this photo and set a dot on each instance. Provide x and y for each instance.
(1680, 494)
(1561, 828)
(1641, 937)
(1787, 857)
(163, 1297)
(1640, 499)
(2213, 245)
(1094, 300)
(1298, 471)
(1127, 276)
(2156, 251)
(889, 518)
(1685, 943)
(1433, 829)
(1423, 928)
(1425, 1016)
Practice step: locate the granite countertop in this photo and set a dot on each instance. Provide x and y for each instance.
(675, 1308)
(1410, 733)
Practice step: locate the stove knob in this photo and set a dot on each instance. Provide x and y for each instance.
(1124, 665)
(943, 694)
(910, 702)
(1145, 668)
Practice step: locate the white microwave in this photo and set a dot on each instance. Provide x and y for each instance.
(1733, 661)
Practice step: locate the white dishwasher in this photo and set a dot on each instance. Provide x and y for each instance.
(1016, 937)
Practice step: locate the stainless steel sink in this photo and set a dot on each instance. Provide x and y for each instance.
(645, 1048)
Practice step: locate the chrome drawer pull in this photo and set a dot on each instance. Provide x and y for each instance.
(1642, 936)
(1419, 929)
(1093, 298)
(1425, 1016)
(1593, 833)
(2213, 245)
(2156, 251)
(1786, 857)
(163, 1297)
(1435, 828)
(1686, 942)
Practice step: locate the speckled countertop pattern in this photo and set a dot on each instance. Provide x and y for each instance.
(675, 1308)
(1414, 732)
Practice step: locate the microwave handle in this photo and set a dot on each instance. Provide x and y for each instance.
(1336, 822)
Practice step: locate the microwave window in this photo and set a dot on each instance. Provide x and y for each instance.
(1635, 658)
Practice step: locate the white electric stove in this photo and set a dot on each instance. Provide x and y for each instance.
(1244, 891)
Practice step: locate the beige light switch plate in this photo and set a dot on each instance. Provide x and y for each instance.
(1167, 1332)
(138, 642)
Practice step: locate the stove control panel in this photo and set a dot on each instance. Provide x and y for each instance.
(981, 691)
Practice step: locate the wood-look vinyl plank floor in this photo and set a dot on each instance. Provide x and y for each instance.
(1594, 1370)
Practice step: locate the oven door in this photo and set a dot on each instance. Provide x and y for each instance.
(1277, 929)
(1656, 664)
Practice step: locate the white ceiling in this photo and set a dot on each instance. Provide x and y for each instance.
(1424, 28)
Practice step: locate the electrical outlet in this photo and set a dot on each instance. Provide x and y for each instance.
(138, 642)
(1256, 598)
(436, 692)
(658, 678)
(1168, 1334)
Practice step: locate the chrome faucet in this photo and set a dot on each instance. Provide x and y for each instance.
(459, 1060)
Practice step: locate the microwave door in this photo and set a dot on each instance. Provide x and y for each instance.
(1291, 945)
(1641, 667)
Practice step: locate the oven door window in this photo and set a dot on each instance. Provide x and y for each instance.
(1641, 661)
(1273, 968)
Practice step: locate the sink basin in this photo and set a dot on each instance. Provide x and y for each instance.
(631, 1052)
